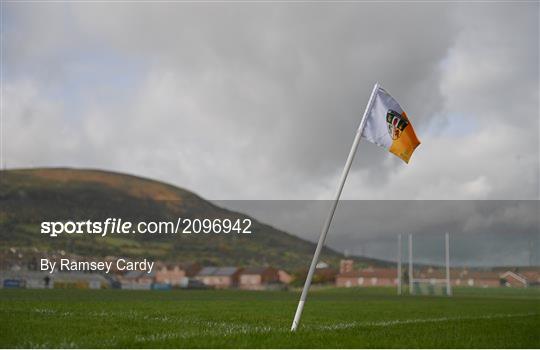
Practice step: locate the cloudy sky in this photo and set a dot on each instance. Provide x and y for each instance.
(251, 101)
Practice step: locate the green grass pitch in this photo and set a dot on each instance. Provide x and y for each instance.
(334, 318)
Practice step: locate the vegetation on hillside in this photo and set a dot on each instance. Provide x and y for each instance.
(31, 196)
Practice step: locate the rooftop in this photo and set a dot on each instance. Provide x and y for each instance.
(218, 271)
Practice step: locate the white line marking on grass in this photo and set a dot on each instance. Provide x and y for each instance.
(44, 311)
(417, 320)
(207, 329)
(52, 312)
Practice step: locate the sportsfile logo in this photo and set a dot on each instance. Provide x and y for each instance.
(119, 226)
(102, 228)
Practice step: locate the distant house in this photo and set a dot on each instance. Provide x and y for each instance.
(434, 276)
(369, 277)
(532, 276)
(513, 279)
(219, 277)
(324, 275)
(137, 280)
(346, 265)
(258, 278)
(176, 275)
(285, 277)
(460, 277)
(192, 269)
(172, 274)
(481, 279)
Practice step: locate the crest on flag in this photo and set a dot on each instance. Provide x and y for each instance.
(396, 123)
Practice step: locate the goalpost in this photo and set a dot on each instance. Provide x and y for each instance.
(424, 286)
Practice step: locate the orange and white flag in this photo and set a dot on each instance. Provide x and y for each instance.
(388, 126)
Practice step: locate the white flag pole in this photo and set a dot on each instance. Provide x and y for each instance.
(328, 221)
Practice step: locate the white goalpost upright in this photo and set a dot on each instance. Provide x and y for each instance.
(447, 261)
(411, 290)
(399, 265)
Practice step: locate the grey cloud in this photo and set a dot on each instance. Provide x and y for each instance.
(291, 80)
(484, 233)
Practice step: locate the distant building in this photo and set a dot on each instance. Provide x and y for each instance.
(434, 276)
(23, 279)
(175, 275)
(285, 277)
(477, 279)
(172, 274)
(258, 278)
(459, 277)
(513, 279)
(325, 275)
(219, 277)
(140, 280)
(369, 277)
(41, 280)
(346, 265)
(192, 269)
(532, 276)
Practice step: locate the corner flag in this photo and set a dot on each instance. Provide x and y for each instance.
(388, 126)
(385, 124)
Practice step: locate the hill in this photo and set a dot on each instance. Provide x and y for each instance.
(30, 196)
